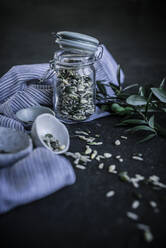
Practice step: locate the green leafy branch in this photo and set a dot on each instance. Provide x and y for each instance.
(137, 109)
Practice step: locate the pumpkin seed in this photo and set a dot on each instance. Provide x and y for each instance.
(95, 143)
(93, 155)
(148, 236)
(52, 143)
(117, 142)
(81, 132)
(112, 169)
(137, 158)
(88, 150)
(135, 204)
(110, 193)
(153, 204)
(123, 137)
(99, 157)
(101, 166)
(80, 167)
(107, 155)
(155, 180)
(132, 216)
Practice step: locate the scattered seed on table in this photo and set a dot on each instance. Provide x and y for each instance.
(137, 158)
(79, 166)
(123, 175)
(87, 139)
(81, 132)
(95, 143)
(107, 155)
(135, 180)
(135, 204)
(71, 154)
(88, 150)
(101, 166)
(153, 204)
(117, 142)
(148, 236)
(118, 157)
(97, 135)
(121, 160)
(132, 216)
(99, 157)
(155, 181)
(123, 137)
(93, 155)
(76, 161)
(112, 169)
(110, 193)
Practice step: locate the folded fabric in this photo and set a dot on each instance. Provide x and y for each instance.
(20, 87)
(34, 177)
(42, 172)
(10, 123)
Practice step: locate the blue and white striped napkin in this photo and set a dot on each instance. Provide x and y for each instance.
(41, 172)
(34, 177)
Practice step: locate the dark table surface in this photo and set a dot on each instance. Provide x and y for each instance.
(81, 215)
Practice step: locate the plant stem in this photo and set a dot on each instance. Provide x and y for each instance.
(147, 105)
(141, 114)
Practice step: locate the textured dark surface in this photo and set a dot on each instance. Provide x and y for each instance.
(134, 32)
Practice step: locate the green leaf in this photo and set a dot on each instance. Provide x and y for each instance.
(162, 83)
(136, 100)
(150, 136)
(118, 76)
(132, 121)
(151, 121)
(140, 128)
(101, 88)
(160, 94)
(130, 86)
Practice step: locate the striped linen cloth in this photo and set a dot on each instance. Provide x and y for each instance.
(41, 172)
(34, 177)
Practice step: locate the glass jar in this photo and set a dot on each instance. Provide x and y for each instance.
(74, 89)
(74, 96)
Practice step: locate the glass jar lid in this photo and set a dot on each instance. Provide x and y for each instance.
(77, 42)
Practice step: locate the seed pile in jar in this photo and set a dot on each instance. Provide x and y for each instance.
(75, 95)
(53, 143)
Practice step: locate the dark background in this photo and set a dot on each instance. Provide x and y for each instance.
(135, 33)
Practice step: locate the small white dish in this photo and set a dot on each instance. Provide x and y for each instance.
(14, 145)
(28, 115)
(49, 124)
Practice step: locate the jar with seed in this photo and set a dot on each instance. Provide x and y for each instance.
(74, 85)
